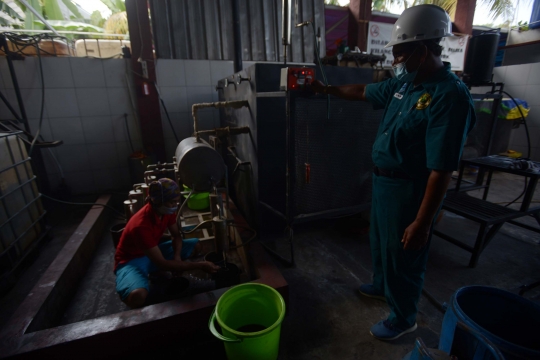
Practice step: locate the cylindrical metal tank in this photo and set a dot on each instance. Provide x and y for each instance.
(481, 58)
(199, 165)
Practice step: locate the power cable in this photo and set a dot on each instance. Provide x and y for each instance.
(323, 73)
(25, 41)
(196, 227)
(520, 195)
(166, 112)
(42, 103)
(128, 133)
(244, 243)
(524, 122)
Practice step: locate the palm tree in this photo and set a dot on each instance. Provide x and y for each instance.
(14, 14)
(116, 23)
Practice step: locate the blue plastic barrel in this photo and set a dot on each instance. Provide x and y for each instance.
(509, 321)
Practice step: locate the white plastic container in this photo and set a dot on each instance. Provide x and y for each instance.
(100, 48)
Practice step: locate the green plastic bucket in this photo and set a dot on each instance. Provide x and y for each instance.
(250, 317)
(199, 201)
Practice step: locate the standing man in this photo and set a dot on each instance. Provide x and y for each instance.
(139, 252)
(428, 114)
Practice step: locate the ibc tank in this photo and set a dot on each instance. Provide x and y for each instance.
(481, 58)
(199, 165)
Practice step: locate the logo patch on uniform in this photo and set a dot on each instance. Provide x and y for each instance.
(399, 94)
(423, 102)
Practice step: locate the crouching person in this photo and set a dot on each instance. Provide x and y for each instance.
(139, 252)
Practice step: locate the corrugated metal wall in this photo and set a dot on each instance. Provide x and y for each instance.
(202, 29)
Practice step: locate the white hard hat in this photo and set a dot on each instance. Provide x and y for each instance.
(421, 22)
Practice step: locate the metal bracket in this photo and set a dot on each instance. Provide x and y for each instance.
(240, 79)
(230, 82)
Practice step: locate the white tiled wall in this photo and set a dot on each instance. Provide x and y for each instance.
(183, 83)
(85, 103)
(522, 82)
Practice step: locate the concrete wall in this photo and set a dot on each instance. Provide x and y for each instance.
(85, 100)
(523, 82)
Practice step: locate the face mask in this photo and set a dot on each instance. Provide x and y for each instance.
(164, 210)
(400, 70)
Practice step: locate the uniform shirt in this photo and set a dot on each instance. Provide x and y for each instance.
(142, 232)
(417, 138)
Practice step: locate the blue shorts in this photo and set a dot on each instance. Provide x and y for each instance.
(134, 274)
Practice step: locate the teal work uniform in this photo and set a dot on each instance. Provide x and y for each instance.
(423, 128)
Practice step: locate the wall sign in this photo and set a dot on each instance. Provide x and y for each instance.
(380, 34)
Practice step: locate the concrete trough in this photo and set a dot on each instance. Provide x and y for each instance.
(32, 332)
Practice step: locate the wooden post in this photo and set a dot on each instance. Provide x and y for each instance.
(359, 16)
(464, 16)
(147, 97)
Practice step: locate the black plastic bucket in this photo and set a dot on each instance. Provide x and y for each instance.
(227, 275)
(481, 56)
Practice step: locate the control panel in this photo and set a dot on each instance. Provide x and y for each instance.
(296, 78)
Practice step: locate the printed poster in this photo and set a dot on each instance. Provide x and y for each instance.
(380, 34)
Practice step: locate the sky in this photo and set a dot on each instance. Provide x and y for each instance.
(524, 8)
(481, 15)
(92, 5)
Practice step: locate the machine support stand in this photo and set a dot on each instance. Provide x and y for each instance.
(288, 194)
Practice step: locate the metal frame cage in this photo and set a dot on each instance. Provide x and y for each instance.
(21, 212)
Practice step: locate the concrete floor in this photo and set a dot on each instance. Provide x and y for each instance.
(326, 317)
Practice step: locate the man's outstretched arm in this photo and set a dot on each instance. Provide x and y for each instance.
(347, 92)
(155, 255)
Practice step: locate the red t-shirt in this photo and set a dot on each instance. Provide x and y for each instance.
(142, 232)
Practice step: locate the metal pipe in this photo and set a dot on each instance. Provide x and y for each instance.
(227, 131)
(237, 36)
(14, 165)
(4, 195)
(16, 242)
(67, 32)
(286, 27)
(38, 15)
(227, 187)
(221, 236)
(213, 205)
(138, 197)
(20, 211)
(164, 165)
(128, 209)
(346, 17)
(237, 104)
(205, 225)
(289, 149)
(155, 172)
(220, 205)
(286, 22)
(179, 212)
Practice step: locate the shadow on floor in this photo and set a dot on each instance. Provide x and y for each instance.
(326, 316)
